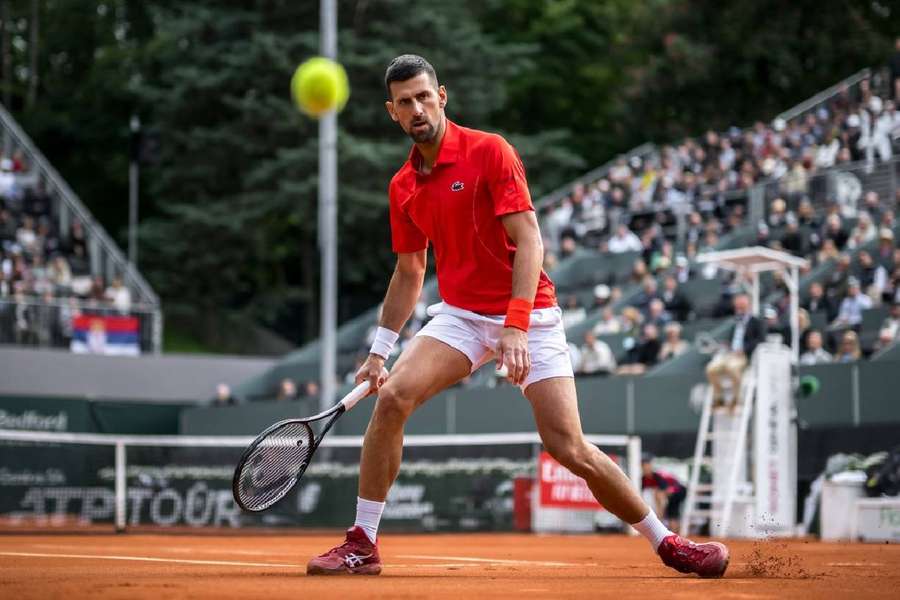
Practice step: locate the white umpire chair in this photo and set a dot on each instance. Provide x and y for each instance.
(751, 446)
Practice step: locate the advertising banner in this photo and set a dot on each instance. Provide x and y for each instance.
(774, 444)
(559, 488)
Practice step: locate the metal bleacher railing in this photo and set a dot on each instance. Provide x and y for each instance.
(106, 259)
(837, 182)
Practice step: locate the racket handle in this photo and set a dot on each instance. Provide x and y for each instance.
(355, 395)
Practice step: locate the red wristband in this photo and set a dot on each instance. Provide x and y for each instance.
(518, 313)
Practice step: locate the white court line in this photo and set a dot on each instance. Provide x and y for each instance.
(184, 561)
(500, 561)
(172, 549)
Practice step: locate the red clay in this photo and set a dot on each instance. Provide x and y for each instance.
(430, 566)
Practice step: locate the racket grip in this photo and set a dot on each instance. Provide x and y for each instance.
(355, 395)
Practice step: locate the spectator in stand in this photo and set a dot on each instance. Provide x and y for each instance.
(682, 271)
(673, 345)
(777, 213)
(852, 307)
(311, 389)
(657, 315)
(596, 356)
(848, 350)
(77, 239)
(646, 295)
(9, 187)
(27, 238)
(624, 240)
(224, 396)
(806, 215)
(23, 321)
(676, 303)
(287, 390)
(834, 231)
(827, 252)
(567, 247)
(763, 235)
(818, 302)
(885, 254)
(602, 295)
(119, 296)
(872, 277)
(638, 271)
(572, 314)
(836, 284)
(644, 353)
(631, 321)
(804, 328)
(608, 323)
(794, 240)
(728, 365)
(884, 340)
(891, 292)
(815, 354)
(892, 322)
(863, 233)
(872, 205)
(46, 320)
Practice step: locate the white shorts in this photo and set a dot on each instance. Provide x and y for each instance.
(477, 337)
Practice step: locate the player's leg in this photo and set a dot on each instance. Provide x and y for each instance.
(555, 409)
(556, 414)
(426, 367)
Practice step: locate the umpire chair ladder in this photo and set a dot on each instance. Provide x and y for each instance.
(719, 508)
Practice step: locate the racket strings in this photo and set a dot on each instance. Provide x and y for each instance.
(272, 467)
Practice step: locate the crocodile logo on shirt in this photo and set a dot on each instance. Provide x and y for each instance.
(457, 186)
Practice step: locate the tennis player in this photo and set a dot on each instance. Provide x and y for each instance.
(464, 191)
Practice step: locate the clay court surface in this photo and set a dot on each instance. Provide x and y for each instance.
(428, 566)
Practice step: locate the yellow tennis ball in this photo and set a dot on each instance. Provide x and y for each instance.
(320, 85)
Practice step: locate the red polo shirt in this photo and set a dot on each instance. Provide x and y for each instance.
(477, 178)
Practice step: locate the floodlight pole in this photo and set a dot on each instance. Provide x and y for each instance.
(328, 218)
(133, 183)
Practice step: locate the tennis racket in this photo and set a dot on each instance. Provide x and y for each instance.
(275, 461)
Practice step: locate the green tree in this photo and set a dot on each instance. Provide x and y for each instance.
(236, 187)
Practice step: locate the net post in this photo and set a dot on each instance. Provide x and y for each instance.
(120, 486)
(634, 451)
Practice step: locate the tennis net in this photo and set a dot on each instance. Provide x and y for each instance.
(505, 481)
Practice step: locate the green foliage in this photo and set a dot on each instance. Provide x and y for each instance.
(229, 214)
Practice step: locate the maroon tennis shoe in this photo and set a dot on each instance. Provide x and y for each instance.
(706, 560)
(356, 556)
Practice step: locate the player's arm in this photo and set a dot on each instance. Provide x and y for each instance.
(399, 303)
(522, 228)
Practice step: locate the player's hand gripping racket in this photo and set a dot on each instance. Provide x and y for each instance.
(276, 460)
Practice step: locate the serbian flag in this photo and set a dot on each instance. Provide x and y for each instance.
(112, 335)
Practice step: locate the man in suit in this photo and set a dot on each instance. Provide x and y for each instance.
(748, 331)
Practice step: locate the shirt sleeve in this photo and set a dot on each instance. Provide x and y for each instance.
(506, 179)
(405, 235)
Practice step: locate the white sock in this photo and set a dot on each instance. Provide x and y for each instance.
(653, 529)
(368, 515)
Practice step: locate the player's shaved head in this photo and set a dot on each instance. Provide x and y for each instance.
(405, 67)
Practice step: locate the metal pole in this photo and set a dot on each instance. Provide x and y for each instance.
(794, 280)
(133, 192)
(328, 217)
(120, 484)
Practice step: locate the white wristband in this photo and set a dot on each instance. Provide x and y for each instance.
(384, 342)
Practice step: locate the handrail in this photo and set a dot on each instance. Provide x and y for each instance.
(74, 203)
(825, 94)
(592, 175)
